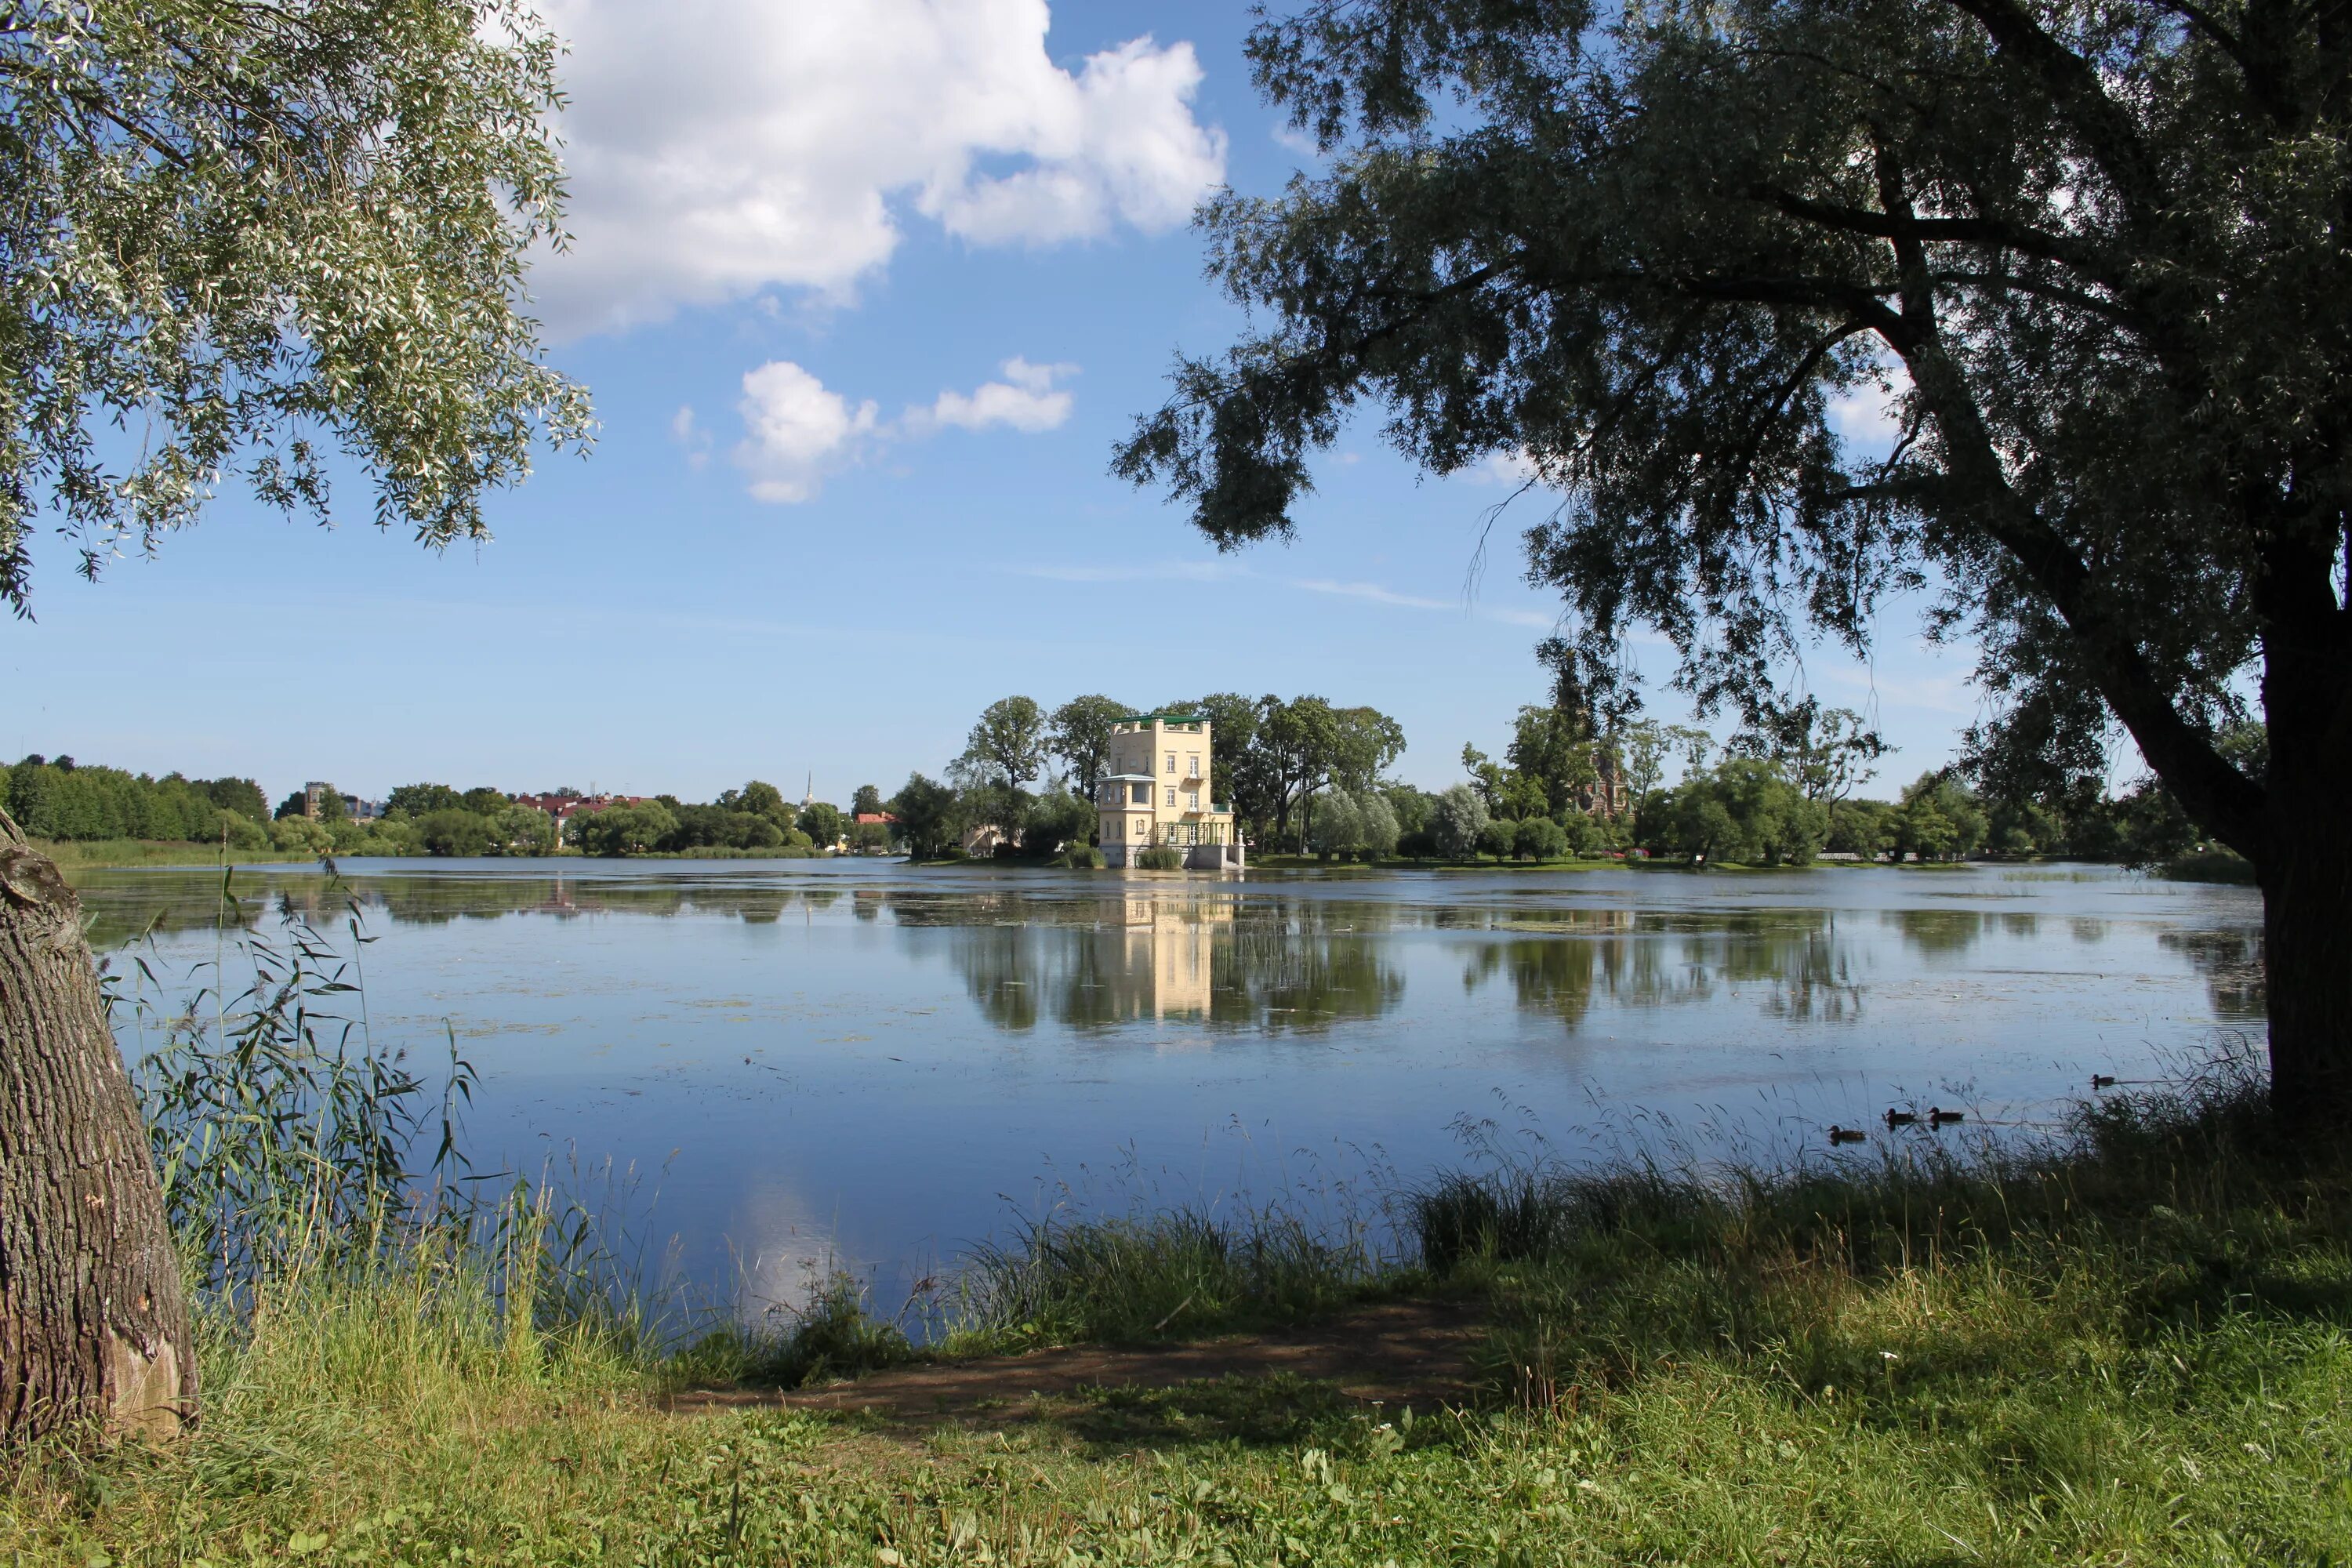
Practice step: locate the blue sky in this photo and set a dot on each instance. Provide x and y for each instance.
(864, 295)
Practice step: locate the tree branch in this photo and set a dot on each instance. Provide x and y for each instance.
(2106, 130)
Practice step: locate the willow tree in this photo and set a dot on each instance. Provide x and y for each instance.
(241, 241)
(2089, 257)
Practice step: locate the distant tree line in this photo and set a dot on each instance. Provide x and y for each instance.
(60, 799)
(755, 820)
(1273, 762)
(63, 800)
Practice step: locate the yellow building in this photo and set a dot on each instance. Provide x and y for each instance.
(1157, 793)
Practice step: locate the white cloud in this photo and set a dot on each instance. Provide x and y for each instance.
(1865, 416)
(1291, 139)
(796, 431)
(1935, 692)
(720, 148)
(1375, 594)
(1513, 469)
(687, 432)
(1025, 400)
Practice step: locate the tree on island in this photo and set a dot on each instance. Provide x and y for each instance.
(1009, 740)
(255, 235)
(2089, 259)
(1080, 737)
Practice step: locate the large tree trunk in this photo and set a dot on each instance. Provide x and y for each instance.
(93, 1324)
(2306, 883)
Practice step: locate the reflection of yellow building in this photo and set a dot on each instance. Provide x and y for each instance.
(1175, 944)
(1156, 793)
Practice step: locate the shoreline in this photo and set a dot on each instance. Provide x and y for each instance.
(2127, 1348)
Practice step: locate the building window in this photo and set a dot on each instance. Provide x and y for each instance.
(1194, 772)
(1172, 797)
(1172, 835)
(1141, 794)
(1192, 800)
(1171, 762)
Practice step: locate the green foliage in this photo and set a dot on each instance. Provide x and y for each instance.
(1304, 745)
(1079, 735)
(1457, 822)
(760, 798)
(1540, 838)
(1499, 837)
(626, 829)
(824, 824)
(1054, 819)
(1552, 750)
(68, 802)
(931, 817)
(302, 833)
(1158, 857)
(1354, 827)
(521, 829)
(866, 802)
(243, 228)
(1939, 818)
(276, 1122)
(1864, 827)
(1744, 809)
(721, 827)
(454, 831)
(1008, 742)
(422, 800)
(1150, 1275)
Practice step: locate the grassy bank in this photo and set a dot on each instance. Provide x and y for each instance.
(74, 855)
(2135, 1348)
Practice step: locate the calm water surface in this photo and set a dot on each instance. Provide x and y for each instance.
(857, 1061)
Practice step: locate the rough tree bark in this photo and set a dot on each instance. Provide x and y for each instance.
(2306, 882)
(93, 1321)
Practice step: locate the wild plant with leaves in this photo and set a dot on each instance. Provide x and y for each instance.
(280, 1126)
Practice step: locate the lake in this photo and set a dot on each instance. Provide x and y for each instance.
(799, 1064)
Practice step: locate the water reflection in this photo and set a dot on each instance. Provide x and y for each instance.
(1090, 965)
(1937, 933)
(2231, 963)
(1647, 960)
(1079, 956)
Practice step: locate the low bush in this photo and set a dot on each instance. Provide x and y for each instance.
(1160, 858)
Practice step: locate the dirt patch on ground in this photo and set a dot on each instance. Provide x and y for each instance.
(1399, 1353)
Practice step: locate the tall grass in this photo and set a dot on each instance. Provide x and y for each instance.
(1123, 1278)
(93, 853)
